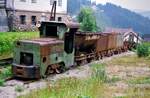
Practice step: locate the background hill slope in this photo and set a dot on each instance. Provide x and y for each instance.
(110, 15)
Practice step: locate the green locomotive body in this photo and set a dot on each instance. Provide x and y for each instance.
(50, 53)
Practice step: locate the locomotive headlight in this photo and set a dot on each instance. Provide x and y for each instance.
(18, 43)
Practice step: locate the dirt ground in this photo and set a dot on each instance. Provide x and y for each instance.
(118, 86)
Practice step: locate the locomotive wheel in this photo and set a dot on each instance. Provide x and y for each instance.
(61, 68)
(50, 70)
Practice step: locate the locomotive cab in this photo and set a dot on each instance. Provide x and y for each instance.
(50, 53)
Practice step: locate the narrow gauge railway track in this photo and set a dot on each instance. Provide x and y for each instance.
(24, 81)
(5, 62)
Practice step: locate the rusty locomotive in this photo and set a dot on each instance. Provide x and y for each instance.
(61, 46)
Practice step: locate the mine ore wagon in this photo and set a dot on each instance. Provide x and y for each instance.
(93, 46)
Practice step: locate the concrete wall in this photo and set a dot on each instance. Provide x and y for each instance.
(38, 15)
(16, 8)
(3, 21)
(40, 5)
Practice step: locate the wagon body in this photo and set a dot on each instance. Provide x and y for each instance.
(86, 42)
(112, 41)
(119, 40)
(102, 43)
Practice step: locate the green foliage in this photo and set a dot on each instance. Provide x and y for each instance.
(7, 40)
(1, 82)
(87, 20)
(99, 73)
(6, 72)
(142, 50)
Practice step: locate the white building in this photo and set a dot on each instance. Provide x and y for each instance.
(128, 34)
(24, 13)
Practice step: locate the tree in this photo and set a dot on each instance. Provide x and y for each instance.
(87, 19)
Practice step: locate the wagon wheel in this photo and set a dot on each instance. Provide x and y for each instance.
(108, 53)
(97, 57)
(120, 51)
(100, 56)
(112, 52)
(83, 62)
(78, 63)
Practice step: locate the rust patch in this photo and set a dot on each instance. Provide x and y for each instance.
(25, 71)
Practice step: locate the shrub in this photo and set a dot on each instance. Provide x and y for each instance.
(142, 50)
(7, 40)
(1, 82)
(6, 72)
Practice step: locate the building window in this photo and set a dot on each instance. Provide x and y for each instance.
(59, 19)
(59, 2)
(33, 20)
(22, 19)
(22, 0)
(33, 1)
(131, 38)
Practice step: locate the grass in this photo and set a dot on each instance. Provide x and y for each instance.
(92, 87)
(141, 80)
(137, 93)
(113, 79)
(19, 88)
(7, 40)
(5, 73)
(130, 60)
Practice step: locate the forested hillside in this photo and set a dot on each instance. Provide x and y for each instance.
(146, 14)
(110, 15)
